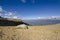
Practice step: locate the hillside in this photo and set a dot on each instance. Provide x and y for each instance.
(10, 22)
(48, 32)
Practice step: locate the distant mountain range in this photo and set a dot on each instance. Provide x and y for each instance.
(43, 21)
(51, 17)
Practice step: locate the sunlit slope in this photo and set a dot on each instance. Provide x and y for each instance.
(48, 32)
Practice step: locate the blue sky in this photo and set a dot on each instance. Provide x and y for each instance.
(31, 8)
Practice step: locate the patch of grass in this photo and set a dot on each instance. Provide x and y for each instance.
(48, 32)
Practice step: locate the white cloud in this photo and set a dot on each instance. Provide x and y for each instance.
(0, 14)
(9, 14)
(50, 17)
(1, 9)
(24, 1)
(55, 17)
(15, 17)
